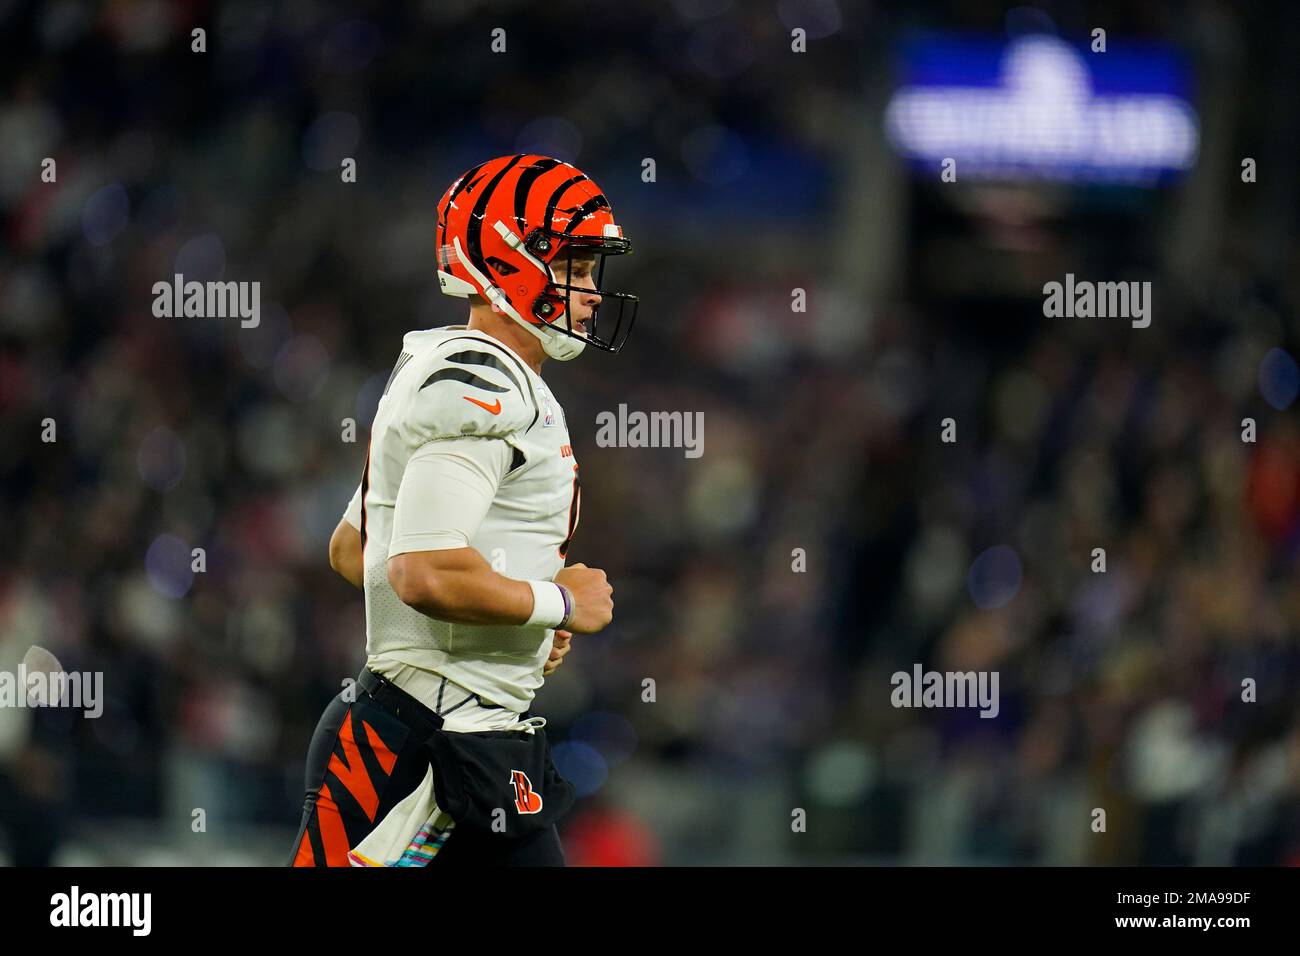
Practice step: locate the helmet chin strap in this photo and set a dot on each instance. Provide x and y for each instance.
(556, 345)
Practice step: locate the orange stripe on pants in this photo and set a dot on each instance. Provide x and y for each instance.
(332, 834)
(385, 756)
(352, 774)
(305, 856)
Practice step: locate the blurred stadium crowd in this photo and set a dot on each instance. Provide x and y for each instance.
(772, 686)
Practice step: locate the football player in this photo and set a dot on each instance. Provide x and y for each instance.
(461, 524)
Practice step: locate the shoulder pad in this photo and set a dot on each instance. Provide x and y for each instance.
(469, 386)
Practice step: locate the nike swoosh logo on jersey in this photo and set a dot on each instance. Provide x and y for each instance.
(494, 408)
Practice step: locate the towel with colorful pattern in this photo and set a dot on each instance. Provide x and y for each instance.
(410, 835)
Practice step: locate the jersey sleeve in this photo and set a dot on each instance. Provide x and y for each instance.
(469, 388)
(352, 515)
(447, 488)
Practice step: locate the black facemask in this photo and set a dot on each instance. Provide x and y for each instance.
(605, 330)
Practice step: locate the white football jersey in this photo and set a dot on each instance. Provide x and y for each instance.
(451, 383)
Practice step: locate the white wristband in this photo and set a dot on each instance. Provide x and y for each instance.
(549, 608)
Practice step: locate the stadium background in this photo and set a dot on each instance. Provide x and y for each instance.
(773, 173)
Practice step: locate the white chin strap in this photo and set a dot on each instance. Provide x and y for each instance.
(555, 344)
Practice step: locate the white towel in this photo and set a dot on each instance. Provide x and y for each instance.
(410, 835)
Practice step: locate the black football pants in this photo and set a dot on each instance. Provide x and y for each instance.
(362, 761)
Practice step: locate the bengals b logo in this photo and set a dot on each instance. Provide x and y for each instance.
(527, 800)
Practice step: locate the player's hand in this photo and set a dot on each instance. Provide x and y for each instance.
(591, 593)
(559, 647)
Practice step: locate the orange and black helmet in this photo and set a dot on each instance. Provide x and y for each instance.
(506, 222)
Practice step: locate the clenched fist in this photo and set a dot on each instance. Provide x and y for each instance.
(591, 593)
(559, 647)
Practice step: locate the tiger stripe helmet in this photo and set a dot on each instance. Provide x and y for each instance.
(506, 223)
